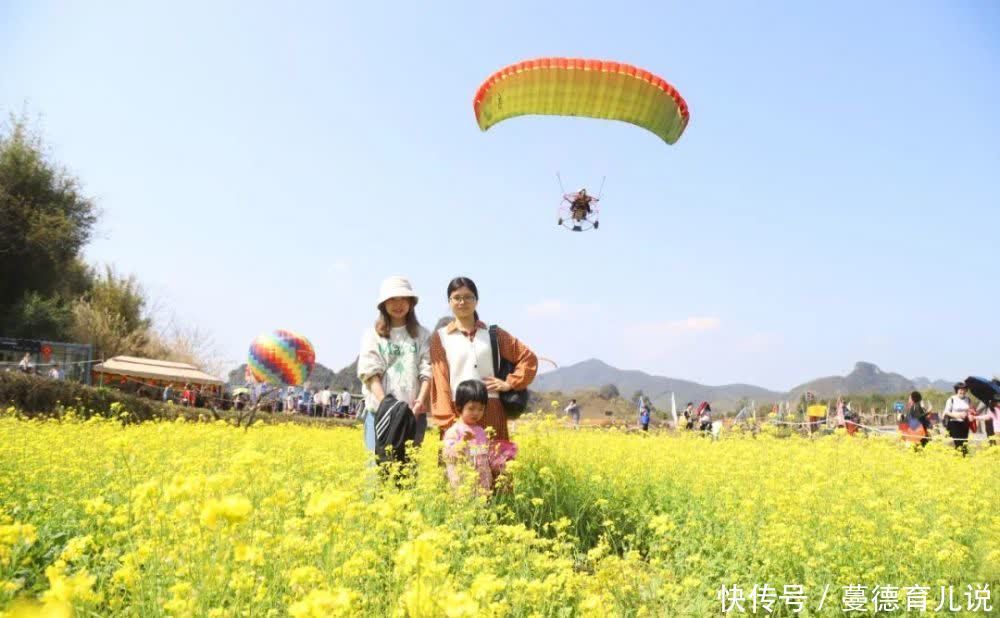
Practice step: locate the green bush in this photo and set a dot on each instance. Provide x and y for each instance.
(40, 396)
(37, 396)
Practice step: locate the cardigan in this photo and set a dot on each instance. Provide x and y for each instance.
(443, 391)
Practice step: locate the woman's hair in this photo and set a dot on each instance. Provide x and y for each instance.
(383, 322)
(916, 397)
(470, 390)
(464, 282)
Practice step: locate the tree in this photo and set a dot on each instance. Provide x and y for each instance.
(184, 344)
(636, 395)
(609, 392)
(45, 222)
(113, 317)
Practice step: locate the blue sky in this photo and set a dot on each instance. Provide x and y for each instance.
(834, 198)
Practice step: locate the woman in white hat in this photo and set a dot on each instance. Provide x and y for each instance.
(395, 357)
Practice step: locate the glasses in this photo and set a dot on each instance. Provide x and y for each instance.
(458, 300)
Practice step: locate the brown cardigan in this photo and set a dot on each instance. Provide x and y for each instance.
(443, 407)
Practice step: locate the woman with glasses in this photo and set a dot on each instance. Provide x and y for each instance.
(461, 351)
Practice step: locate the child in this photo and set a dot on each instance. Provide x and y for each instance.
(466, 441)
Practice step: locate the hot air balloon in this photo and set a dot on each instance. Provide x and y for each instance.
(281, 357)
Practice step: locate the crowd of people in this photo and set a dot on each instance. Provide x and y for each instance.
(323, 403)
(27, 365)
(958, 422)
(959, 418)
(461, 374)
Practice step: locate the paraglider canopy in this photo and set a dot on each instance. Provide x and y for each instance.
(578, 87)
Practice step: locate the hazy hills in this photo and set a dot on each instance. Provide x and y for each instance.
(321, 376)
(865, 378)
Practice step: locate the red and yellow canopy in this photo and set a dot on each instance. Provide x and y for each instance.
(589, 88)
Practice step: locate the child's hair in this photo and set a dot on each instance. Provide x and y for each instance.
(470, 390)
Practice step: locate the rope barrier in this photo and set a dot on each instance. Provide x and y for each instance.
(37, 365)
(885, 431)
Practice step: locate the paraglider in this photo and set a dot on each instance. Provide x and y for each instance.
(588, 88)
(578, 211)
(281, 358)
(585, 88)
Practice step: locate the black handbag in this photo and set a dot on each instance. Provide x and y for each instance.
(514, 402)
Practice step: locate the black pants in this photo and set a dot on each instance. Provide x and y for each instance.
(393, 429)
(959, 432)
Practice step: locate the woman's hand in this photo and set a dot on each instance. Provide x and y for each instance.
(418, 407)
(496, 385)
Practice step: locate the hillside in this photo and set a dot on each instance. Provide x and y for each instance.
(582, 380)
(321, 376)
(592, 405)
(865, 378)
(923, 384)
(593, 373)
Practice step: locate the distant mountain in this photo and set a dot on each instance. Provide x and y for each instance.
(321, 376)
(593, 373)
(923, 384)
(866, 378)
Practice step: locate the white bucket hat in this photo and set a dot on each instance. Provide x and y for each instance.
(394, 287)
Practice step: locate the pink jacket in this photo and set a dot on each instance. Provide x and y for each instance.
(991, 413)
(460, 452)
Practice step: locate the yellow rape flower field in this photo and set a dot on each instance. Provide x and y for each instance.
(98, 518)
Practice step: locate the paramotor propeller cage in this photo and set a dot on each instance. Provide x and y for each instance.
(578, 219)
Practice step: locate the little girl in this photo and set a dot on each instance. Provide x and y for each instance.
(465, 442)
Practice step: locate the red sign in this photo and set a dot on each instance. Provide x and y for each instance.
(46, 352)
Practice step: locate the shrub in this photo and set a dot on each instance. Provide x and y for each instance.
(41, 396)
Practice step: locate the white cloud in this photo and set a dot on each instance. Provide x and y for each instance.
(547, 309)
(552, 308)
(666, 338)
(761, 341)
(340, 272)
(692, 325)
(877, 341)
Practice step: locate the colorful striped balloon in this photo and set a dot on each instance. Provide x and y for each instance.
(281, 357)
